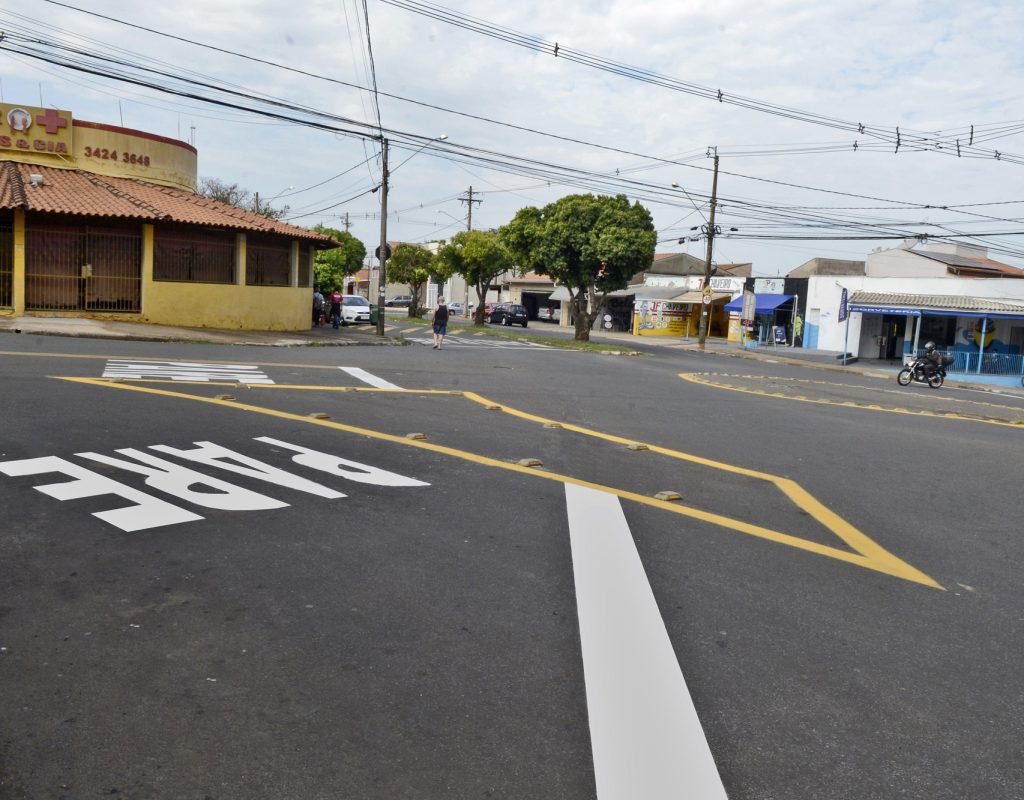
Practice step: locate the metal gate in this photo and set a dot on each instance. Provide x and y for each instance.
(72, 267)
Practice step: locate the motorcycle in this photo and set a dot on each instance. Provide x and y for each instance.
(917, 371)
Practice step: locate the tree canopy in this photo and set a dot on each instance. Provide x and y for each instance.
(331, 267)
(411, 264)
(239, 197)
(590, 244)
(479, 257)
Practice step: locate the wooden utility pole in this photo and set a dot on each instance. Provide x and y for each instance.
(346, 223)
(468, 200)
(382, 253)
(705, 312)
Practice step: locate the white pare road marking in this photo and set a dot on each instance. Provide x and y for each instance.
(646, 738)
(184, 371)
(367, 377)
(177, 480)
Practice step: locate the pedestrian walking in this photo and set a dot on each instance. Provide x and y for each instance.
(440, 322)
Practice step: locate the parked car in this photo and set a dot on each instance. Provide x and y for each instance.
(400, 301)
(354, 309)
(545, 314)
(509, 314)
(456, 309)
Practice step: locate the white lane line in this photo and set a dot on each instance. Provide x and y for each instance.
(646, 738)
(366, 377)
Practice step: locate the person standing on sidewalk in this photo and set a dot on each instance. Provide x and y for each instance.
(335, 308)
(440, 322)
(318, 307)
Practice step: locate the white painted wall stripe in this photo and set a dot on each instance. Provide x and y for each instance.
(368, 377)
(646, 738)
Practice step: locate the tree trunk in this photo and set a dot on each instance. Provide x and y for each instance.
(478, 312)
(583, 319)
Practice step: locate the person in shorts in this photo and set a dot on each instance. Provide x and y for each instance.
(440, 322)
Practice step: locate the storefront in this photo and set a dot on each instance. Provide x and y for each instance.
(101, 221)
(772, 320)
(983, 337)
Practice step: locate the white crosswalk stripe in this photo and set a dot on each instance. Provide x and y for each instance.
(457, 341)
(184, 371)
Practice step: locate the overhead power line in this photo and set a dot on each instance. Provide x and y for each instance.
(957, 143)
(121, 69)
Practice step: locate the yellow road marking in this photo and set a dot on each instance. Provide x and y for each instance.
(868, 554)
(694, 377)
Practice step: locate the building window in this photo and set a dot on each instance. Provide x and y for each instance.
(196, 255)
(6, 262)
(268, 261)
(306, 265)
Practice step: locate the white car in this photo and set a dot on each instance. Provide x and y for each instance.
(354, 309)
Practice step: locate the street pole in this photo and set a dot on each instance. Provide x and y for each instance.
(705, 314)
(382, 257)
(468, 200)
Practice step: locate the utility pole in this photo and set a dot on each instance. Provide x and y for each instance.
(382, 253)
(705, 314)
(346, 223)
(468, 200)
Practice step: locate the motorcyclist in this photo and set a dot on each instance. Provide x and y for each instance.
(932, 359)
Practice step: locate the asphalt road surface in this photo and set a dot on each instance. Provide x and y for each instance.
(501, 572)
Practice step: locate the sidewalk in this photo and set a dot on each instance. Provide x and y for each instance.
(139, 331)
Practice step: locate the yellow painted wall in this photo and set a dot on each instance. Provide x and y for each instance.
(227, 306)
(138, 155)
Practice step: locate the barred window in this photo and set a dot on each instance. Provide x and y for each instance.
(268, 260)
(306, 265)
(198, 255)
(6, 261)
(92, 265)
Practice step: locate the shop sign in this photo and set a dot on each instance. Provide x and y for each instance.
(726, 284)
(660, 318)
(769, 285)
(41, 131)
(749, 307)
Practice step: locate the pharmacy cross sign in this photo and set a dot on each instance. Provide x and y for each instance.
(51, 120)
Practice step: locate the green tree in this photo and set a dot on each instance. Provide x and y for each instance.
(410, 263)
(331, 267)
(239, 197)
(590, 244)
(479, 257)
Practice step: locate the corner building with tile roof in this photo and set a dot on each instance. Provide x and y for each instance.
(104, 222)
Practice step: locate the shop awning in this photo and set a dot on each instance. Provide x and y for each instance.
(765, 303)
(933, 305)
(561, 294)
(692, 298)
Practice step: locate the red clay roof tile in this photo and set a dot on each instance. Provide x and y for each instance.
(80, 193)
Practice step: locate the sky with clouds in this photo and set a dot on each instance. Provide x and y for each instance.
(932, 69)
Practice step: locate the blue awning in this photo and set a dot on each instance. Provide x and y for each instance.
(766, 303)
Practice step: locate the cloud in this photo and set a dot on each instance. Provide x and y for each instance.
(928, 66)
